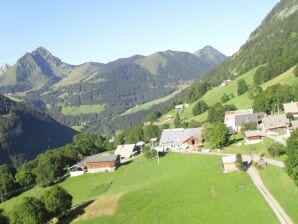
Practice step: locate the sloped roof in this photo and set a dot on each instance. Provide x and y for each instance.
(228, 159)
(291, 107)
(178, 136)
(253, 133)
(245, 118)
(101, 158)
(125, 150)
(276, 121)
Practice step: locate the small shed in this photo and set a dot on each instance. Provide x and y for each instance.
(102, 163)
(253, 136)
(78, 169)
(229, 163)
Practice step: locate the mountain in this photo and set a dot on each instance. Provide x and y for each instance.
(91, 94)
(210, 55)
(25, 132)
(273, 44)
(4, 68)
(33, 71)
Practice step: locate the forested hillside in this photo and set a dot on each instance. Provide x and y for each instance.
(25, 132)
(90, 95)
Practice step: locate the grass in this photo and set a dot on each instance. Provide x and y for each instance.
(183, 188)
(259, 148)
(283, 189)
(241, 102)
(83, 109)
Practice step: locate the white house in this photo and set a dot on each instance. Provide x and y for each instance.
(180, 139)
(230, 118)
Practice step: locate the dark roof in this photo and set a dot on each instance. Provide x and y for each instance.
(245, 118)
(101, 158)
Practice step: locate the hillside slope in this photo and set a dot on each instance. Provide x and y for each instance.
(25, 132)
(275, 40)
(45, 82)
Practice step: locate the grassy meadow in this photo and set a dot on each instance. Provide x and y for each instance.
(241, 102)
(183, 188)
(83, 109)
(283, 189)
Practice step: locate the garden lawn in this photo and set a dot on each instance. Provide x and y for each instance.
(281, 186)
(183, 188)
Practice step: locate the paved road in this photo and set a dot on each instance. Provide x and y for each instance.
(276, 208)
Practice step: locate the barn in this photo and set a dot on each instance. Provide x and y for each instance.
(102, 163)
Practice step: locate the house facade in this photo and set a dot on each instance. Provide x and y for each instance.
(95, 164)
(230, 118)
(180, 139)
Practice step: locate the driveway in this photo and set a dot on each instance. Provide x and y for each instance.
(274, 205)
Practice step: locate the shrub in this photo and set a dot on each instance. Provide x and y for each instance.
(276, 149)
(150, 153)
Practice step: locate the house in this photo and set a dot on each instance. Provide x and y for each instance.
(95, 164)
(242, 119)
(254, 136)
(226, 82)
(230, 118)
(180, 139)
(292, 108)
(179, 107)
(78, 169)
(147, 123)
(102, 163)
(229, 162)
(186, 105)
(126, 151)
(275, 123)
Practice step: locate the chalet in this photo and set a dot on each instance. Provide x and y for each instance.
(254, 136)
(275, 123)
(102, 163)
(242, 119)
(126, 151)
(229, 162)
(291, 108)
(230, 118)
(95, 164)
(180, 139)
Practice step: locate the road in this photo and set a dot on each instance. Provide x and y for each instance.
(276, 208)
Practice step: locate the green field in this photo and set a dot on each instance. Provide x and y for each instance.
(183, 188)
(83, 109)
(241, 102)
(283, 189)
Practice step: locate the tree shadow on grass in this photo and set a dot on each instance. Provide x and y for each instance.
(75, 213)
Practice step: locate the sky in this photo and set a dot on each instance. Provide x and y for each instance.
(79, 31)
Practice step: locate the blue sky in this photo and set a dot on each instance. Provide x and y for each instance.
(78, 31)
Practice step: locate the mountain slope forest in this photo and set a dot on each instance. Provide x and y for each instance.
(89, 95)
(25, 132)
(271, 50)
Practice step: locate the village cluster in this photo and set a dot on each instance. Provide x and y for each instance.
(190, 139)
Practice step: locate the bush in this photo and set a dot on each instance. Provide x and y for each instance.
(239, 162)
(150, 153)
(276, 149)
(224, 98)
